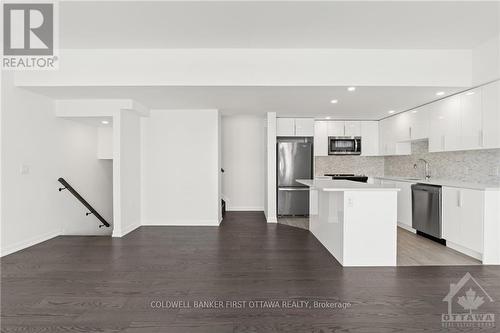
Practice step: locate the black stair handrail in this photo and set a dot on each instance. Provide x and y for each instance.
(83, 201)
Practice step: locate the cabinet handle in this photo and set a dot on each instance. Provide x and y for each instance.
(481, 138)
(459, 197)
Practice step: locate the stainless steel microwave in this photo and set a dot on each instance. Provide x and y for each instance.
(344, 145)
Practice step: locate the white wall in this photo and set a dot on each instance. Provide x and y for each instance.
(243, 154)
(180, 168)
(270, 162)
(31, 136)
(105, 142)
(126, 171)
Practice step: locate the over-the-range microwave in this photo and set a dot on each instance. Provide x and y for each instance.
(344, 145)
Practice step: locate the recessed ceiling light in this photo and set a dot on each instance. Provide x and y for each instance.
(104, 122)
(470, 93)
(414, 111)
(351, 89)
(391, 111)
(441, 117)
(334, 101)
(328, 117)
(440, 93)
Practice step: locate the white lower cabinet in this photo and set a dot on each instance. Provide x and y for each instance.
(463, 218)
(404, 204)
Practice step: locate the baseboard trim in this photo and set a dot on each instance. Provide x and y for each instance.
(244, 209)
(464, 250)
(126, 230)
(272, 219)
(30, 242)
(182, 223)
(408, 228)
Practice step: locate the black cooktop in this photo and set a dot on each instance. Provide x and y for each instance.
(348, 176)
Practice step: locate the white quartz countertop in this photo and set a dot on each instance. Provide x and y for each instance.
(444, 182)
(344, 185)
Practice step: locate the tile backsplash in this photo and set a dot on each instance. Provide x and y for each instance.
(478, 166)
(360, 165)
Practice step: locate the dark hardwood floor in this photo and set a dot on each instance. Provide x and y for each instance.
(100, 284)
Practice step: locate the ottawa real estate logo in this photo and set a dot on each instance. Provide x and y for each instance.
(464, 300)
(30, 38)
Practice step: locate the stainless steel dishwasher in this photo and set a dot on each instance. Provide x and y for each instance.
(426, 210)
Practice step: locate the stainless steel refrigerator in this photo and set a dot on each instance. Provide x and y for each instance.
(294, 162)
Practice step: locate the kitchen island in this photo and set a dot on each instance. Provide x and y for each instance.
(356, 222)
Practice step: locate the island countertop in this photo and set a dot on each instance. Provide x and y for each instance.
(329, 185)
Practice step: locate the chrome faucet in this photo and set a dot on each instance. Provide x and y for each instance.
(427, 169)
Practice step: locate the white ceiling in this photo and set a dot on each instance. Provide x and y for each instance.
(365, 103)
(264, 24)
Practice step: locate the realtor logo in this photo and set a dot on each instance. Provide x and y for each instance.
(468, 295)
(29, 35)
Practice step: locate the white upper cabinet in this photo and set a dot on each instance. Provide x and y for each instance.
(386, 137)
(369, 138)
(491, 115)
(285, 127)
(445, 125)
(336, 128)
(294, 127)
(321, 138)
(304, 127)
(401, 128)
(471, 131)
(352, 128)
(419, 123)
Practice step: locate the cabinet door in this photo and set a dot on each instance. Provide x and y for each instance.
(471, 120)
(320, 138)
(463, 217)
(387, 146)
(404, 203)
(304, 126)
(285, 127)
(402, 127)
(336, 128)
(445, 125)
(419, 123)
(352, 128)
(369, 138)
(390, 136)
(451, 220)
(491, 115)
(472, 203)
